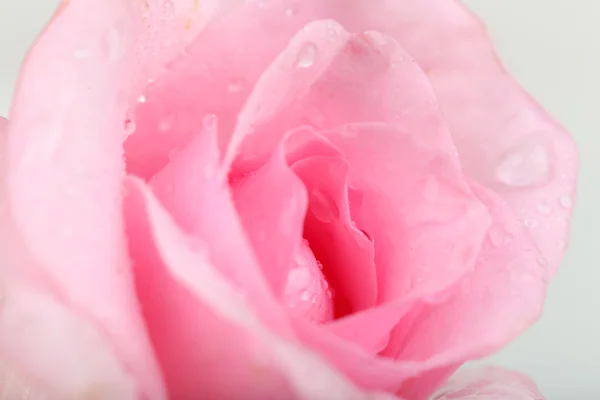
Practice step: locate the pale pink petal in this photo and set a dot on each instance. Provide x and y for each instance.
(64, 167)
(271, 203)
(194, 188)
(216, 76)
(506, 141)
(491, 306)
(56, 350)
(489, 383)
(199, 322)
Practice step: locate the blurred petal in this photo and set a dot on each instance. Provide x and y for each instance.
(65, 166)
(489, 383)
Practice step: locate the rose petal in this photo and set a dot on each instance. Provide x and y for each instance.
(187, 284)
(193, 187)
(65, 157)
(272, 204)
(346, 253)
(492, 305)
(487, 383)
(36, 330)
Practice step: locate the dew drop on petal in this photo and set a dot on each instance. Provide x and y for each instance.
(566, 201)
(305, 295)
(525, 166)
(542, 261)
(530, 222)
(142, 99)
(307, 55)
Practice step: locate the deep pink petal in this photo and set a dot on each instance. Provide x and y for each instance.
(346, 253)
(487, 383)
(194, 188)
(200, 323)
(272, 203)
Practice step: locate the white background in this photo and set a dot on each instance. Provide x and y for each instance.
(553, 48)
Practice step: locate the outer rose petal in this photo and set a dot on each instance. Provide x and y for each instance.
(215, 322)
(489, 383)
(64, 166)
(492, 305)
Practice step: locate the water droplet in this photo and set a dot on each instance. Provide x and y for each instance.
(323, 206)
(130, 126)
(325, 284)
(314, 299)
(542, 261)
(431, 191)
(329, 293)
(169, 8)
(530, 222)
(290, 11)
(305, 295)
(236, 85)
(320, 265)
(525, 166)
(307, 55)
(544, 209)
(142, 99)
(566, 201)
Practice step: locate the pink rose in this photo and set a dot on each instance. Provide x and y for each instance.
(274, 199)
